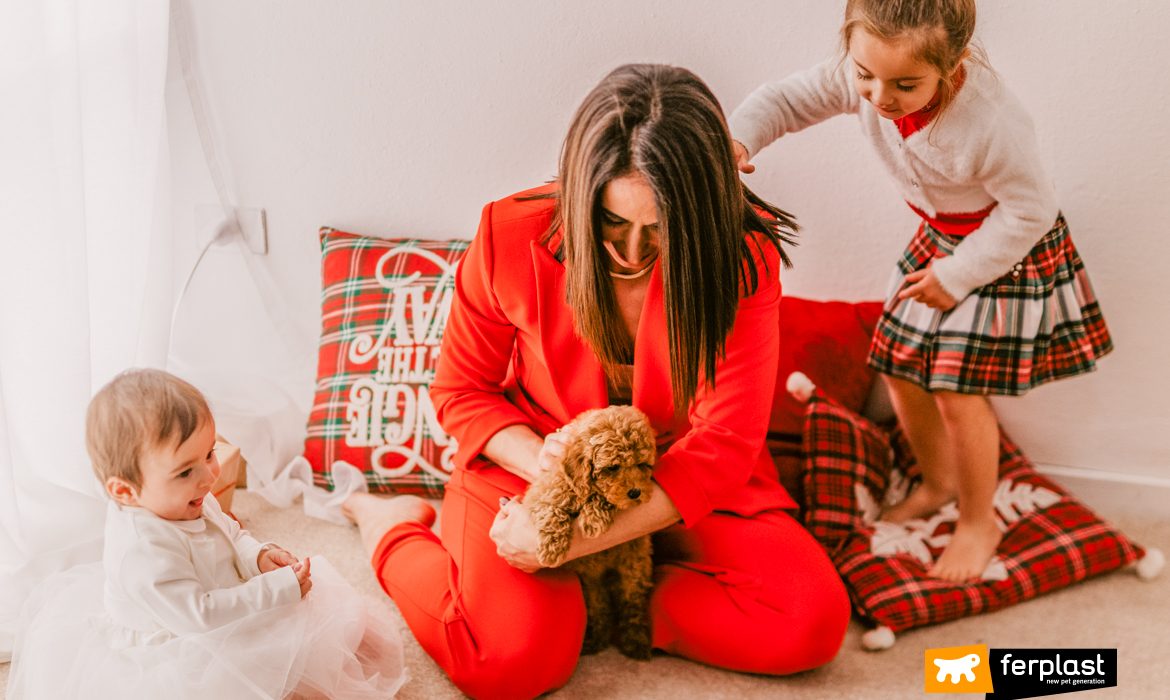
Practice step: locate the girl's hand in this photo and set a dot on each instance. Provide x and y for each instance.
(301, 569)
(272, 558)
(515, 535)
(924, 287)
(551, 452)
(741, 157)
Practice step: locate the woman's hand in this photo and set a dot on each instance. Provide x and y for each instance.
(523, 452)
(741, 157)
(924, 287)
(272, 557)
(552, 452)
(515, 535)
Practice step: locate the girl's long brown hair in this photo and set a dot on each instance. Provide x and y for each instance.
(665, 124)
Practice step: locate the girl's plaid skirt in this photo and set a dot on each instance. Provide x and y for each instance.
(1038, 322)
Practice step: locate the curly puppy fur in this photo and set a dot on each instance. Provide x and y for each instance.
(607, 467)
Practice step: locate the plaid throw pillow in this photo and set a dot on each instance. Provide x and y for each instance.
(384, 305)
(854, 468)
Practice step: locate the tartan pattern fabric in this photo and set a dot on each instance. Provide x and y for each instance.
(384, 306)
(1039, 322)
(1052, 542)
(841, 449)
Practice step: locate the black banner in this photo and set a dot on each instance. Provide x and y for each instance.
(1031, 673)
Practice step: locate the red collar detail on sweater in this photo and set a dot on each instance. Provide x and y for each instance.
(915, 121)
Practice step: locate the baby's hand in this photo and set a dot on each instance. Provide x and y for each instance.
(272, 558)
(741, 157)
(301, 569)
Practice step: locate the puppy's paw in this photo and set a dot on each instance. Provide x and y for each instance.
(552, 550)
(592, 528)
(596, 517)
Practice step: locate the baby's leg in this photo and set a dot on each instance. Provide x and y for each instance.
(918, 414)
(972, 428)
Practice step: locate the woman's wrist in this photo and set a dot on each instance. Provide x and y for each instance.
(515, 449)
(656, 514)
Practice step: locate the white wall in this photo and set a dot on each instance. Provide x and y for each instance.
(404, 118)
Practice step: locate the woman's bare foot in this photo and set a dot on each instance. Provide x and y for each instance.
(925, 500)
(971, 548)
(374, 515)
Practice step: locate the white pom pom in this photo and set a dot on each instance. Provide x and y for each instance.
(878, 639)
(1150, 565)
(800, 386)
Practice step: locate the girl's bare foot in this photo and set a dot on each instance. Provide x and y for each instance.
(971, 548)
(375, 515)
(925, 500)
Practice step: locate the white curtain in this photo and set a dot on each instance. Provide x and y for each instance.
(85, 259)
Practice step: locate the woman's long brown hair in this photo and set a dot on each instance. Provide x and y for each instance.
(664, 123)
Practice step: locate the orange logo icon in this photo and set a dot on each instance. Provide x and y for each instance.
(958, 670)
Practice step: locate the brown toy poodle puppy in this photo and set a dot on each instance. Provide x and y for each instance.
(606, 468)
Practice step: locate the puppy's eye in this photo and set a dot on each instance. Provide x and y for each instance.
(612, 468)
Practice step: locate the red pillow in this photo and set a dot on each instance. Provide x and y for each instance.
(384, 306)
(828, 341)
(1050, 539)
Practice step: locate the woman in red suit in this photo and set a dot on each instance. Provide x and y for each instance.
(615, 285)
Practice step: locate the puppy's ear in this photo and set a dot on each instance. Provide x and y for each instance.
(577, 467)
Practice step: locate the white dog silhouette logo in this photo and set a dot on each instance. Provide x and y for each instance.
(957, 667)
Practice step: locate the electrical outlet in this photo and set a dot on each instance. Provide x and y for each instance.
(254, 223)
(209, 221)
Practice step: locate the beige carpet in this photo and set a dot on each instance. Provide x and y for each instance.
(1117, 610)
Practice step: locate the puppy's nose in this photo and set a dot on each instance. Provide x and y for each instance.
(634, 493)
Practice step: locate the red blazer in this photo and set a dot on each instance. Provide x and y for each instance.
(510, 356)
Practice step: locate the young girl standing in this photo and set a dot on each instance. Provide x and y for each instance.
(185, 604)
(990, 297)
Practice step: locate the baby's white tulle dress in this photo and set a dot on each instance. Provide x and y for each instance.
(155, 620)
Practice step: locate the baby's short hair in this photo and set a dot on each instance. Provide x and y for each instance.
(138, 410)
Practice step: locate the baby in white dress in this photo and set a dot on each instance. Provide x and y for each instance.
(186, 603)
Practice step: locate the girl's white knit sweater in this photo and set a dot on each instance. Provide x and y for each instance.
(980, 151)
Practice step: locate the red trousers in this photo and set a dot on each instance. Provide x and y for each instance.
(751, 594)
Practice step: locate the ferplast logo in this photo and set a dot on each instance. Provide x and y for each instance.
(1050, 670)
(958, 670)
(1030, 673)
(1008, 674)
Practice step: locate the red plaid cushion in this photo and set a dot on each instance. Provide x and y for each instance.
(384, 305)
(842, 452)
(1051, 540)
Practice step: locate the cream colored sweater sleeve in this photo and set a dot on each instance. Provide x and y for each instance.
(794, 103)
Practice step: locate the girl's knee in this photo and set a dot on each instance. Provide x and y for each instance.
(955, 406)
(901, 386)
